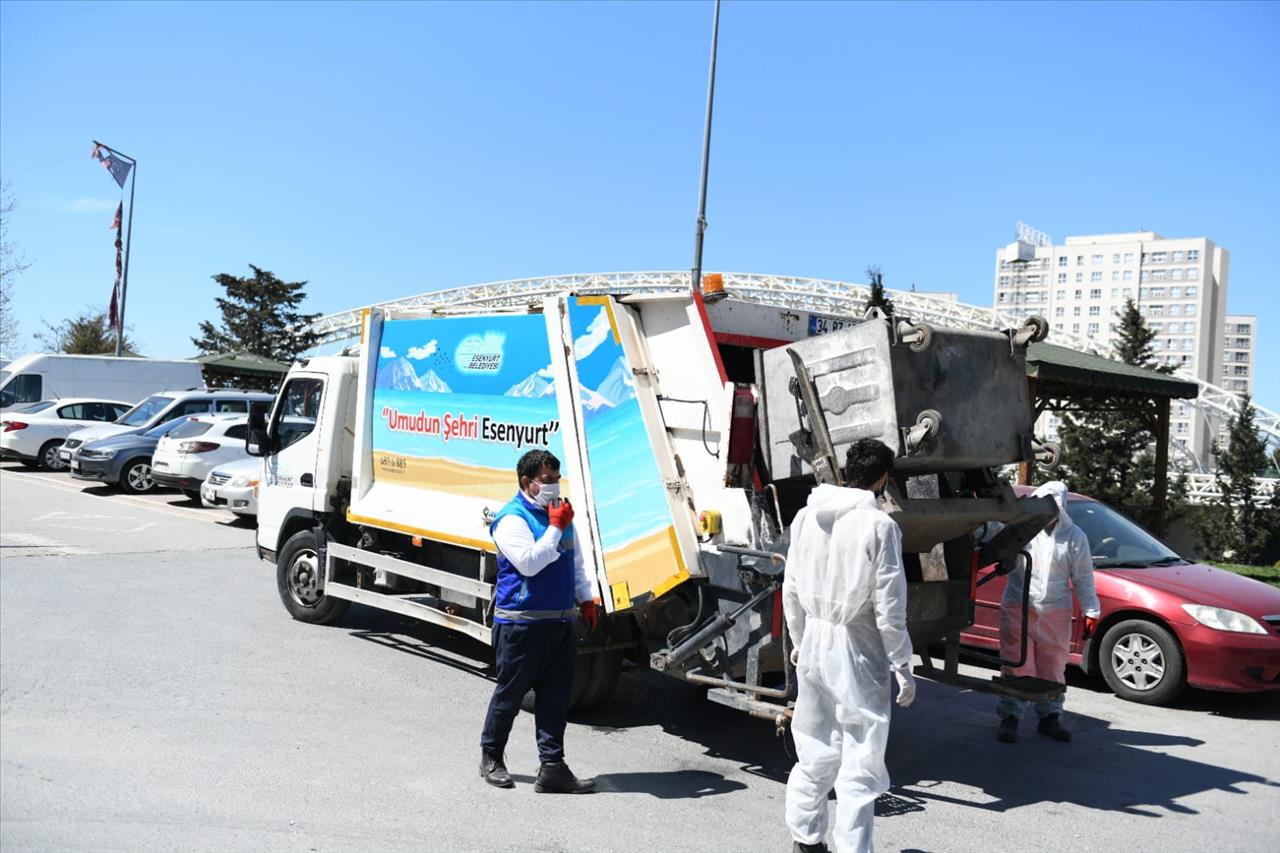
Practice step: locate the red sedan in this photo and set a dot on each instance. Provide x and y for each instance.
(1166, 622)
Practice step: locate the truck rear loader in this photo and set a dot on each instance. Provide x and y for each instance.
(691, 428)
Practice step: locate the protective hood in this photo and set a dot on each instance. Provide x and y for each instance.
(1058, 491)
(828, 503)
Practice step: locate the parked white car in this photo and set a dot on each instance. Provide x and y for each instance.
(185, 456)
(234, 487)
(33, 434)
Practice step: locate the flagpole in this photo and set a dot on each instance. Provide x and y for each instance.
(128, 240)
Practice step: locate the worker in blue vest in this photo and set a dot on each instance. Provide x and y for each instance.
(541, 577)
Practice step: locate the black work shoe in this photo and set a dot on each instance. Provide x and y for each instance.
(1008, 732)
(555, 777)
(801, 847)
(1051, 726)
(494, 771)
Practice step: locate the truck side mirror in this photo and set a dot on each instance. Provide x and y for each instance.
(256, 440)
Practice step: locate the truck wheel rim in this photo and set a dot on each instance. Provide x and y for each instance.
(1138, 662)
(140, 478)
(303, 579)
(51, 460)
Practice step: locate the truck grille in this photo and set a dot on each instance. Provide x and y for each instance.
(217, 478)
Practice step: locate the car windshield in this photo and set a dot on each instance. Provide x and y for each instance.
(34, 407)
(144, 411)
(161, 430)
(1115, 541)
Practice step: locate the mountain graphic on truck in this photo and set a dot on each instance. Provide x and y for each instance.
(398, 375)
(541, 384)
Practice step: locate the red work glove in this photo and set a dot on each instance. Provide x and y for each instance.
(1090, 626)
(561, 514)
(590, 614)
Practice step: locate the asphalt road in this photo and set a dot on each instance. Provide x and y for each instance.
(155, 696)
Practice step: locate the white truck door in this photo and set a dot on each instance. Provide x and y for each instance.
(642, 521)
(289, 474)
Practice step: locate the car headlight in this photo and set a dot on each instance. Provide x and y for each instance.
(1221, 619)
(97, 454)
(240, 482)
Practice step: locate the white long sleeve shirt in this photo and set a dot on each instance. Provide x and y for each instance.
(529, 556)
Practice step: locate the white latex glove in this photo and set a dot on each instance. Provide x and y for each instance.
(795, 657)
(906, 686)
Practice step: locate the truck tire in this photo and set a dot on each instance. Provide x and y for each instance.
(595, 678)
(297, 576)
(135, 476)
(1142, 662)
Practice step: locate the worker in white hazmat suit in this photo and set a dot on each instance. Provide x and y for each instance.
(1060, 561)
(845, 600)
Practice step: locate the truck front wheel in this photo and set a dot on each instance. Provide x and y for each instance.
(298, 579)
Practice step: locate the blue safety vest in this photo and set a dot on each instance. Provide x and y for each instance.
(548, 596)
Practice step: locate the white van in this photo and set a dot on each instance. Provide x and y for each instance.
(49, 376)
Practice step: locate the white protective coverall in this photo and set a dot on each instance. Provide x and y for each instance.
(1060, 560)
(845, 599)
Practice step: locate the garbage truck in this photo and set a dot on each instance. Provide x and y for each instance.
(691, 428)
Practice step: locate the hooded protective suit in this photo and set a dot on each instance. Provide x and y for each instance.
(1060, 560)
(845, 599)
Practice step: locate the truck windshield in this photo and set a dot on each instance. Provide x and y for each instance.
(23, 388)
(144, 411)
(1115, 541)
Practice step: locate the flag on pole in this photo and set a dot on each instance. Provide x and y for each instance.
(113, 314)
(118, 168)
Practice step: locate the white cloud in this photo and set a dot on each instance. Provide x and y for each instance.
(85, 204)
(419, 353)
(388, 352)
(546, 372)
(596, 333)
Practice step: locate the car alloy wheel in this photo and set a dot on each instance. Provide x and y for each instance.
(49, 457)
(1138, 662)
(140, 478)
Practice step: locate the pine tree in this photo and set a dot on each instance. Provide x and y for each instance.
(1108, 454)
(1236, 526)
(878, 299)
(259, 315)
(88, 333)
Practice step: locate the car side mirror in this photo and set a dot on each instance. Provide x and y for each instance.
(256, 440)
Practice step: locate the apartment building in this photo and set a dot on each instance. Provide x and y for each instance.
(1180, 285)
(1239, 336)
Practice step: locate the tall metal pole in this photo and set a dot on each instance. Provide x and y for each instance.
(128, 241)
(706, 157)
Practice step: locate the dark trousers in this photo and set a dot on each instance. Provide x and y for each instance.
(536, 656)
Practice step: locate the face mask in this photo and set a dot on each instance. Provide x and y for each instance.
(547, 492)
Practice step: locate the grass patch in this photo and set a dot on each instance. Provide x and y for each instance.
(1266, 574)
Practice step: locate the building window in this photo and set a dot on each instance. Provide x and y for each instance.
(1004, 281)
(1242, 343)
(1075, 328)
(1115, 275)
(1239, 385)
(1078, 292)
(1159, 257)
(1127, 292)
(1075, 312)
(1128, 257)
(1079, 260)
(1242, 356)
(1146, 257)
(1095, 310)
(1095, 276)
(1002, 297)
(1062, 294)
(1176, 275)
(1096, 260)
(1157, 293)
(1242, 328)
(1115, 293)
(1093, 329)
(1193, 254)
(1155, 327)
(1115, 259)
(1062, 260)
(1157, 310)
(1127, 275)
(1241, 370)
(1177, 257)
(1062, 278)
(1079, 277)
(1175, 310)
(1095, 293)
(1190, 291)
(1182, 428)
(1193, 274)
(1145, 276)
(1057, 327)
(1175, 292)
(1158, 275)
(1059, 311)
(1189, 310)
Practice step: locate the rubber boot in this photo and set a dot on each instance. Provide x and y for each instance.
(1051, 727)
(1008, 731)
(555, 777)
(494, 771)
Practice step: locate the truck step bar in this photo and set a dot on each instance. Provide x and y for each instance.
(406, 605)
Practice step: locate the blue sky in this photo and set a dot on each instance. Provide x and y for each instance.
(379, 151)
